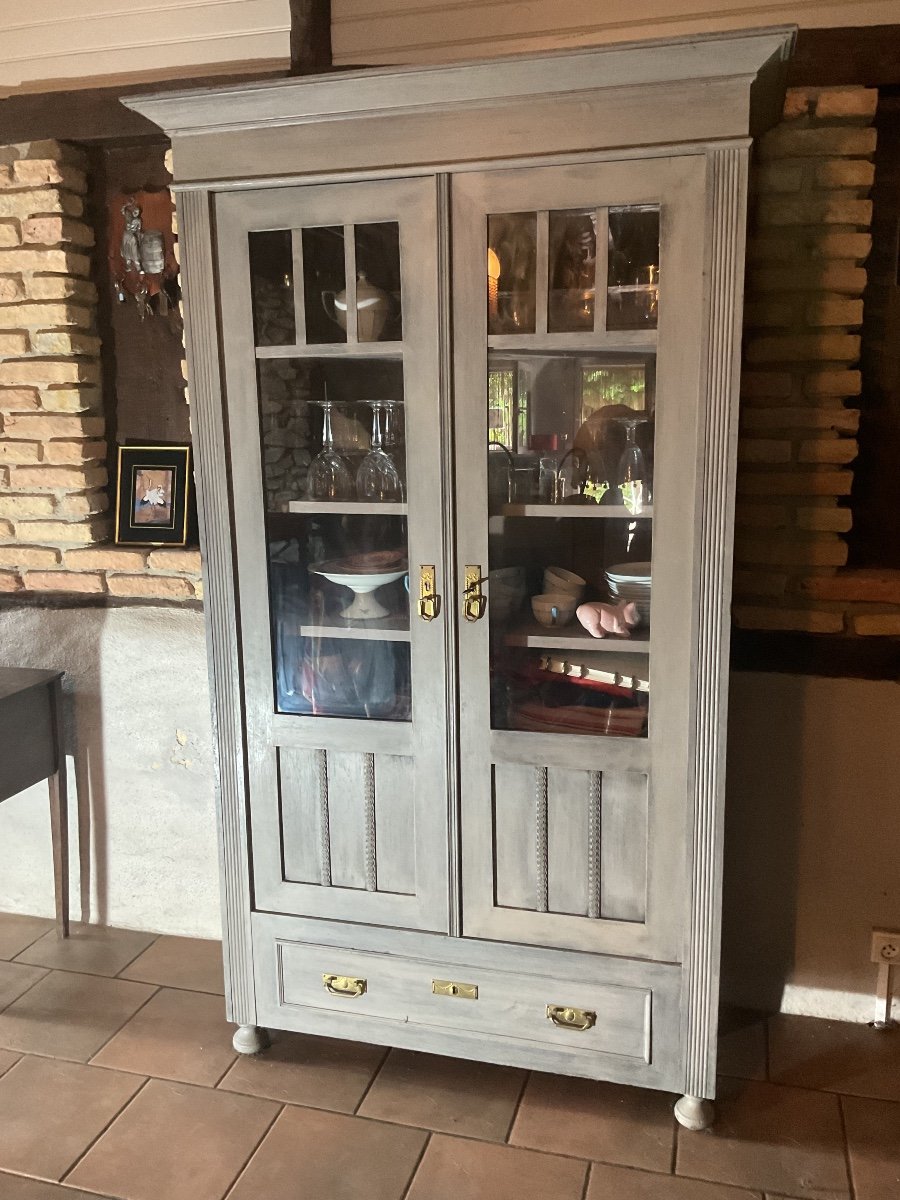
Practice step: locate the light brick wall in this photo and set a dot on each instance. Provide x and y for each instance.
(53, 496)
(809, 240)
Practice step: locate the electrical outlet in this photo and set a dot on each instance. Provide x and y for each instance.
(885, 947)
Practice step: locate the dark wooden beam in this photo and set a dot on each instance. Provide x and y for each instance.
(310, 37)
(868, 55)
(94, 115)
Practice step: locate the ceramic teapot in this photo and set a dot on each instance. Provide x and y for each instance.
(373, 307)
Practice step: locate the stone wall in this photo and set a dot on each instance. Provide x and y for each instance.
(809, 241)
(54, 526)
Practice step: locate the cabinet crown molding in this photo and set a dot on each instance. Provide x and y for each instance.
(758, 54)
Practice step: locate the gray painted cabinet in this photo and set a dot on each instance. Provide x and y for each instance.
(463, 345)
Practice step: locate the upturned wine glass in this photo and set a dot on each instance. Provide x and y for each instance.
(632, 478)
(378, 477)
(329, 478)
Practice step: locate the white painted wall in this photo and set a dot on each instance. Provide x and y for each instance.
(813, 811)
(140, 757)
(428, 31)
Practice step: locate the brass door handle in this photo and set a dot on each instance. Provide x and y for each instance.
(429, 599)
(474, 600)
(571, 1018)
(343, 985)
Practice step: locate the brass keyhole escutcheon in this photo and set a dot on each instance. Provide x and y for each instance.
(474, 600)
(429, 600)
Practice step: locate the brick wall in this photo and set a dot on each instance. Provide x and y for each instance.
(809, 240)
(54, 525)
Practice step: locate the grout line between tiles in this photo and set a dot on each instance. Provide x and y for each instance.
(370, 1084)
(767, 1047)
(46, 971)
(226, 1072)
(8, 1172)
(516, 1107)
(418, 1163)
(37, 939)
(247, 1161)
(587, 1181)
(117, 1031)
(847, 1160)
(676, 1142)
(128, 1103)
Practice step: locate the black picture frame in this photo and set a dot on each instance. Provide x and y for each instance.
(154, 496)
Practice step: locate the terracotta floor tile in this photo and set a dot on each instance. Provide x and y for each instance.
(786, 1140)
(17, 932)
(458, 1169)
(175, 1142)
(835, 1056)
(178, 962)
(448, 1095)
(17, 1187)
(176, 1035)
(70, 1016)
(625, 1183)
(603, 1121)
(312, 1155)
(873, 1138)
(91, 949)
(16, 978)
(51, 1111)
(742, 1044)
(301, 1069)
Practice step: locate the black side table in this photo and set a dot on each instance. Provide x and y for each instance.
(31, 749)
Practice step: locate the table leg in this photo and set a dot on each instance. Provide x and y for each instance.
(59, 818)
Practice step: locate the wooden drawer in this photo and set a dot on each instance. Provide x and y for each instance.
(564, 1012)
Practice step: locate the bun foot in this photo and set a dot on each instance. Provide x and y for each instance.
(250, 1039)
(694, 1113)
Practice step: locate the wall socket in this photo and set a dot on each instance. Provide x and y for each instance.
(885, 947)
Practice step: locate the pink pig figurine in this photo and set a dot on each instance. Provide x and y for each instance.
(600, 619)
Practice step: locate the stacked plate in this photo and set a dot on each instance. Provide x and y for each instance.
(631, 581)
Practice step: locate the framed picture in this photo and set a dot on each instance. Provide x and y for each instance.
(153, 496)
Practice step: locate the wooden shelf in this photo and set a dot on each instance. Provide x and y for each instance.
(387, 629)
(334, 350)
(356, 508)
(535, 636)
(594, 512)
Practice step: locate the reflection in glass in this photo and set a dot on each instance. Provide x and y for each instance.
(323, 281)
(325, 662)
(633, 274)
(272, 287)
(572, 271)
(568, 624)
(632, 479)
(512, 247)
(378, 477)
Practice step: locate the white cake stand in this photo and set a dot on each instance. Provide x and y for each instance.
(364, 606)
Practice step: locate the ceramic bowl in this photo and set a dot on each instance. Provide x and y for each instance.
(558, 579)
(554, 608)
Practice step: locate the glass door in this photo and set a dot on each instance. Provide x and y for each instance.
(578, 320)
(329, 302)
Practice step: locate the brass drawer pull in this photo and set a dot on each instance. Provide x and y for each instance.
(343, 985)
(448, 987)
(571, 1018)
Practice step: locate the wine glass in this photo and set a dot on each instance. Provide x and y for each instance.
(632, 478)
(329, 476)
(378, 477)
